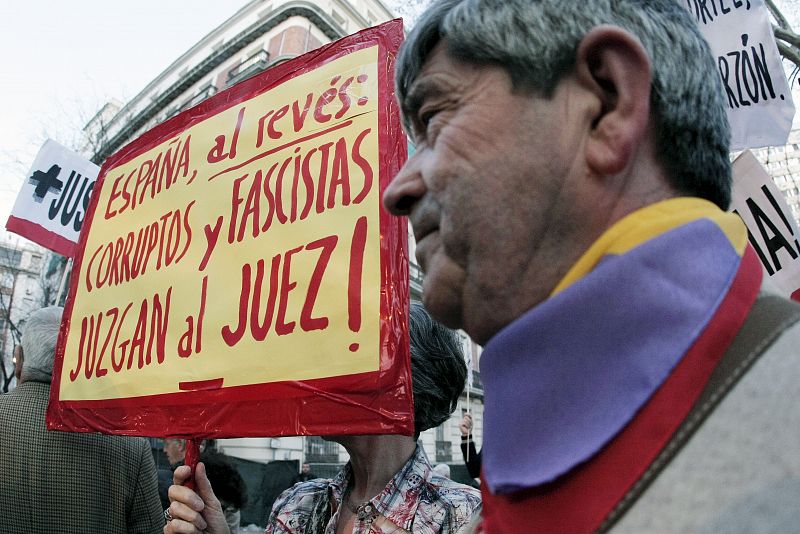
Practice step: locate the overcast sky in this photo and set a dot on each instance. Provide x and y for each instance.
(62, 60)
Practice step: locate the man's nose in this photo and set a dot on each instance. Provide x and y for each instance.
(405, 189)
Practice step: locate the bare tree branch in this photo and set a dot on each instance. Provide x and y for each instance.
(781, 20)
(787, 39)
(788, 36)
(789, 53)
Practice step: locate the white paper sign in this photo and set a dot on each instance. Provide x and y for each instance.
(770, 225)
(757, 94)
(52, 202)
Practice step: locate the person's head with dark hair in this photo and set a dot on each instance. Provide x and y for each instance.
(228, 483)
(438, 370)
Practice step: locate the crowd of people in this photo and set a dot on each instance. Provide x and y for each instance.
(568, 194)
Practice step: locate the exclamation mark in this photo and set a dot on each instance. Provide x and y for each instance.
(354, 282)
(777, 208)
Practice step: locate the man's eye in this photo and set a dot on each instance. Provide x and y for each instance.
(426, 117)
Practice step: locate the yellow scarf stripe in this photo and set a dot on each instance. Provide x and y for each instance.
(652, 221)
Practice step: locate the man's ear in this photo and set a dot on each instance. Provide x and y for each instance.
(614, 66)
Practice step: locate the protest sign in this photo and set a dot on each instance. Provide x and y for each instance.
(771, 228)
(51, 205)
(238, 276)
(757, 94)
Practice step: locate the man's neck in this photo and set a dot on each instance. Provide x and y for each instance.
(374, 461)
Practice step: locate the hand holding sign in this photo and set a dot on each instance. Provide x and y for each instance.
(201, 509)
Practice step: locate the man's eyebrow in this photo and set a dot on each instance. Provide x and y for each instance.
(421, 90)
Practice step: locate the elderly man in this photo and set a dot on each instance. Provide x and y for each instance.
(62, 482)
(567, 195)
(387, 486)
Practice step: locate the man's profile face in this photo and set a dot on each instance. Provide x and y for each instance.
(483, 190)
(175, 450)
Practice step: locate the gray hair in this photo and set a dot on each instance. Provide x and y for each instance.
(438, 370)
(535, 42)
(39, 339)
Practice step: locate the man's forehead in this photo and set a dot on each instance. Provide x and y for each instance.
(439, 73)
(437, 60)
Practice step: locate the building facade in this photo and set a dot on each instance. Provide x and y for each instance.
(260, 35)
(21, 292)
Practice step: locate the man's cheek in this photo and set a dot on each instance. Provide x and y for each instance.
(443, 289)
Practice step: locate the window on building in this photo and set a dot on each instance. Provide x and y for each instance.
(320, 451)
(204, 92)
(253, 63)
(444, 449)
(266, 11)
(339, 19)
(10, 257)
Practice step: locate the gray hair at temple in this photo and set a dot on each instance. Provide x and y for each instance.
(535, 42)
(39, 339)
(438, 370)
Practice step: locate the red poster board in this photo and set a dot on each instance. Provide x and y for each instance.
(237, 275)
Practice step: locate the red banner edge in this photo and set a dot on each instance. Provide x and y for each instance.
(41, 235)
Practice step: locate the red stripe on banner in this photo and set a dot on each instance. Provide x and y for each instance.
(261, 409)
(201, 385)
(580, 501)
(40, 235)
(796, 295)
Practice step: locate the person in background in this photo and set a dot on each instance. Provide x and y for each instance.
(472, 458)
(387, 486)
(568, 194)
(175, 450)
(70, 483)
(305, 474)
(443, 470)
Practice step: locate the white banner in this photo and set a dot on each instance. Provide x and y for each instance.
(757, 94)
(770, 225)
(52, 202)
